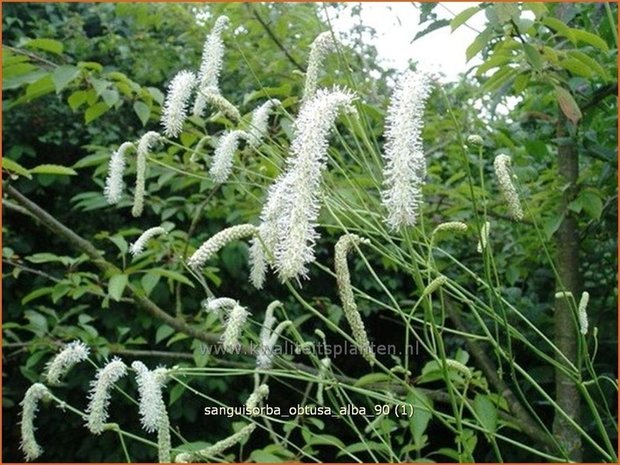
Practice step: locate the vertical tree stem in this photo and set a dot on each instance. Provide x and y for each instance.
(567, 262)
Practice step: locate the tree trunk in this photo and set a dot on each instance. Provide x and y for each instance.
(567, 262)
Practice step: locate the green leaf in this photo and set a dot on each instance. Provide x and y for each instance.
(437, 24)
(175, 276)
(63, 75)
(14, 167)
(589, 38)
(17, 69)
(76, 99)
(163, 332)
(462, 17)
(478, 44)
(19, 80)
(53, 169)
(149, 281)
(110, 97)
(116, 286)
(95, 111)
(36, 294)
(560, 27)
(43, 86)
(576, 67)
(533, 56)
(568, 104)
(99, 85)
(48, 45)
(590, 63)
(143, 112)
(591, 203)
(486, 410)
(372, 378)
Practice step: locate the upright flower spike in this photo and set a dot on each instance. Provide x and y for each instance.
(175, 106)
(29, 446)
(582, 313)
(484, 237)
(295, 201)
(211, 65)
(100, 394)
(114, 185)
(405, 165)
(345, 290)
(321, 46)
(458, 366)
(219, 240)
(218, 447)
(144, 147)
(509, 191)
(138, 247)
(259, 124)
(323, 372)
(221, 166)
(73, 353)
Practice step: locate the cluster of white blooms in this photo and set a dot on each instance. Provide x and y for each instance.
(582, 313)
(211, 65)
(484, 236)
(150, 383)
(73, 353)
(475, 139)
(100, 394)
(114, 185)
(504, 179)
(322, 45)
(260, 122)
(221, 166)
(175, 107)
(288, 219)
(259, 394)
(30, 405)
(153, 414)
(219, 446)
(405, 165)
(217, 305)
(345, 291)
(219, 240)
(138, 247)
(144, 147)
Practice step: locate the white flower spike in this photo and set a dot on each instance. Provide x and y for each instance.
(509, 191)
(405, 165)
(211, 65)
(144, 148)
(219, 240)
(222, 164)
(73, 353)
(138, 247)
(114, 184)
(321, 46)
(30, 405)
(100, 394)
(175, 107)
(259, 125)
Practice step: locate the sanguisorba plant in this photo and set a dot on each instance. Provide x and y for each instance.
(317, 192)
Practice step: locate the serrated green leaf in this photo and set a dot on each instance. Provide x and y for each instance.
(117, 285)
(163, 332)
(14, 167)
(48, 45)
(576, 67)
(43, 86)
(592, 204)
(478, 44)
(63, 75)
(95, 111)
(53, 169)
(533, 56)
(143, 112)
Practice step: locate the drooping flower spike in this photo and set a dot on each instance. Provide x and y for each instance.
(321, 46)
(138, 247)
(100, 394)
(218, 447)
(221, 166)
(72, 354)
(212, 246)
(35, 393)
(144, 148)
